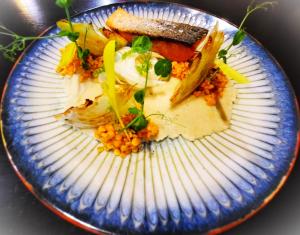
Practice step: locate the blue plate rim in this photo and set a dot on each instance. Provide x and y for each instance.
(90, 228)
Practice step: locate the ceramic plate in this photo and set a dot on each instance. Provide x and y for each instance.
(207, 185)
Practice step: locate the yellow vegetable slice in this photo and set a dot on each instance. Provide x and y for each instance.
(109, 86)
(231, 73)
(67, 56)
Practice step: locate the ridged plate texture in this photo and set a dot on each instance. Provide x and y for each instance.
(171, 186)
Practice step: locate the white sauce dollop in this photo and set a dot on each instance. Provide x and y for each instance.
(126, 70)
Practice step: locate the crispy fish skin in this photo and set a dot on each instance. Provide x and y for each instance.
(122, 21)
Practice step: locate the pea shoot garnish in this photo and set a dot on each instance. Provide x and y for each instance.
(18, 42)
(141, 45)
(140, 121)
(241, 34)
(72, 35)
(163, 67)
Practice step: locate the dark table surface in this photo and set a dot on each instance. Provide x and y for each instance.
(278, 30)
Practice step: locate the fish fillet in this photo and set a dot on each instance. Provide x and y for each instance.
(122, 21)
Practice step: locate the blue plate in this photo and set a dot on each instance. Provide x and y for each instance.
(174, 186)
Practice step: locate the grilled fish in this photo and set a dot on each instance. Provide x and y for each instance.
(122, 21)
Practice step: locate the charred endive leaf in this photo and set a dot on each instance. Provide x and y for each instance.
(200, 67)
(98, 112)
(89, 115)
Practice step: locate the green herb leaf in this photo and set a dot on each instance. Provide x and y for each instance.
(63, 3)
(73, 36)
(140, 122)
(139, 96)
(141, 44)
(238, 37)
(222, 53)
(134, 110)
(163, 67)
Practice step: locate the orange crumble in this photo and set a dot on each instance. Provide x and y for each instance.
(75, 66)
(124, 143)
(180, 69)
(212, 89)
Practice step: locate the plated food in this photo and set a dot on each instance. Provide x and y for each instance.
(104, 124)
(145, 80)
